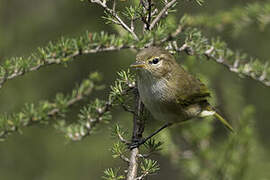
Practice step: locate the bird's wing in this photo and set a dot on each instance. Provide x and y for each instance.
(191, 90)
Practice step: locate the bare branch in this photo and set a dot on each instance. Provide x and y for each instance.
(162, 12)
(122, 139)
(149, 9)
(138, 128)
(147, 6)
(133, 164)
(149, 14)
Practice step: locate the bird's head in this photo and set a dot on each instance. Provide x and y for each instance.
(154, 60)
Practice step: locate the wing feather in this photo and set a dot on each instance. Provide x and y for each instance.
(190, 90)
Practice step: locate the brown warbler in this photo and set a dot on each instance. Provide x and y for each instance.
(169, 92)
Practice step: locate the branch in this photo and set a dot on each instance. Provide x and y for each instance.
(80, 130)
(162, 12)
(41, 114)
(149, 16)
(68, 49)
(64, 51)
(147, 9)
(114, 14)
(138, 128)
(99, 110)
(133, 164)
(196, 44)
(61, 53)
(235, 67)
(239, 18)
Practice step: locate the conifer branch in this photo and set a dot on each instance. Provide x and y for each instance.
(90, 117)
(42, 113)
(62, 52)
(198, 45)
(200, 153)
(239, 18)
(100, 110)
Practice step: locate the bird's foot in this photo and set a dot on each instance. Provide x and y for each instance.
(136, 143)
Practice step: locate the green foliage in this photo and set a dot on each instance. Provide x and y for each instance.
(118, 149)
(149, 166)
(61, 52)
(217, 50)
(89, 117)
(239, 18)
(118, 131)
(132, 13)
(153, 146)
(99, 110)
(43, 112)
(122, 86)
(111, 174)
(227, 161)
(200, 2)
(147, 24)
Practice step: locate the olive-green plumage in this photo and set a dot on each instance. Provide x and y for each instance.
(168, 91)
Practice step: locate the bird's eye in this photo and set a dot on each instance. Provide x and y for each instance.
(155, 60)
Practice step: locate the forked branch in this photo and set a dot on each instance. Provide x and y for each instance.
(113, 13)
(161, 14)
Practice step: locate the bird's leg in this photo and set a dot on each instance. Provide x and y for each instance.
(143, 140)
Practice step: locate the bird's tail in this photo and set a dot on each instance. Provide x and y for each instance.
(226, 123)
(211, 112)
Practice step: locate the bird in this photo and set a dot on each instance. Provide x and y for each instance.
(168, 91)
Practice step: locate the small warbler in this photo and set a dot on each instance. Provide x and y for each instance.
(169, 92)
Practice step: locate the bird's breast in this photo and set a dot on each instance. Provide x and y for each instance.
(156, 96)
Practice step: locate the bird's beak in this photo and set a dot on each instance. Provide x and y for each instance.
(138, 64)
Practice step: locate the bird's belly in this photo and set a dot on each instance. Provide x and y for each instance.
(155, 100)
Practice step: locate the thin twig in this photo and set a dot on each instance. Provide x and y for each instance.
(114, 5)
(162, 12)
(147, 9)
(172, 35)
(142, 176)
(149, 16)
(127, 109)
(114, 14)
(122, 139)
(93, 122)
(143, 18)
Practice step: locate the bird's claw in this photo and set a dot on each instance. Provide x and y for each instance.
(136, 143)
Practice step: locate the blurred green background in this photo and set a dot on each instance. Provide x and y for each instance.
(43, 153)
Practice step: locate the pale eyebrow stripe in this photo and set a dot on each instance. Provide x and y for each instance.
(152, 57)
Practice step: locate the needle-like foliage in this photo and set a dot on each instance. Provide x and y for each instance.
(140, 24)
